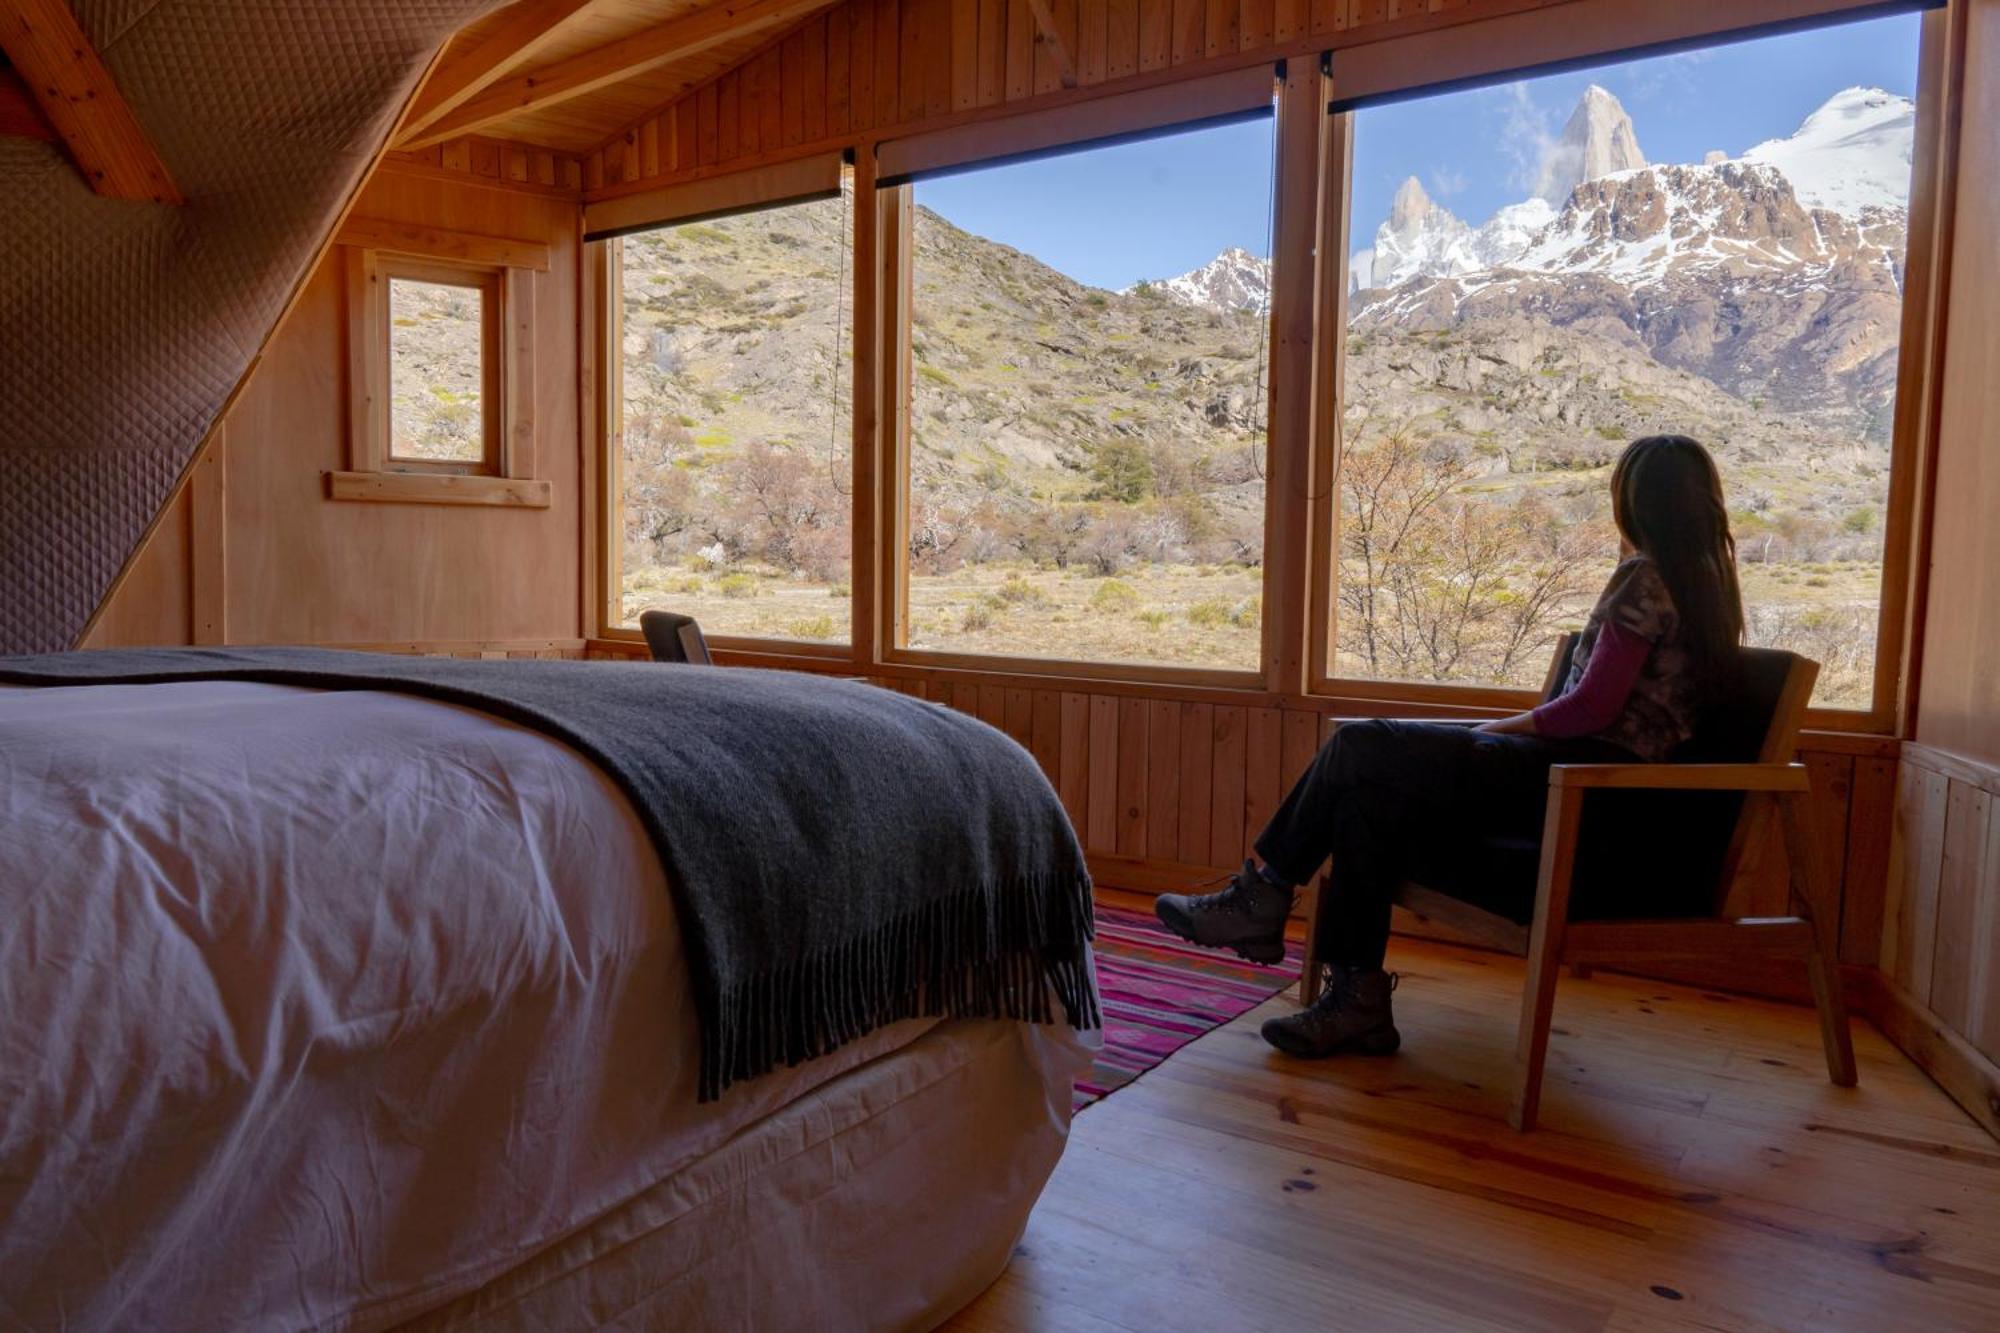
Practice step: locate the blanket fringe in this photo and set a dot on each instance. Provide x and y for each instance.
(992, 952)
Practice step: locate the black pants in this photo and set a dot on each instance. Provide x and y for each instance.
(1394, 800)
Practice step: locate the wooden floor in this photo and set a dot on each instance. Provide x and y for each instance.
(1694, 1170)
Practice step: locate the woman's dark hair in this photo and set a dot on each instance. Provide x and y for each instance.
(1666, 497)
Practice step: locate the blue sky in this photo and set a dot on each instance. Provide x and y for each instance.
(1111, 216)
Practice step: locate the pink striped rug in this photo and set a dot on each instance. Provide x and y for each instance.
(1160, 993)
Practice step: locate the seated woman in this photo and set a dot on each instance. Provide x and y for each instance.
(1382, 793)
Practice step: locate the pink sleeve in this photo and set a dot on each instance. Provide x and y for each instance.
(1600, 696)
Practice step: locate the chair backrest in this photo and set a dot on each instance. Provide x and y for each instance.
(1759, 722)
(673, 637)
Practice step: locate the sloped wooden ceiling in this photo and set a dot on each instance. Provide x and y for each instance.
(124, 326)
(865, 67)
(566, 73)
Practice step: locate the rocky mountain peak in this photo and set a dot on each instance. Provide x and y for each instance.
(1597, 140)
(1233, 280)
(1411, 206)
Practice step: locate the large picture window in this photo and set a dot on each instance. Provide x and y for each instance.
(1089, 350)
(736, 476)
(1708, 243)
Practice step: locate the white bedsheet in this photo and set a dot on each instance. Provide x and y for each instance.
(319, 1008)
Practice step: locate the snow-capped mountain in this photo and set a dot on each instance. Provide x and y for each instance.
(1620, 216)
(1233, 280)
(1851, 155)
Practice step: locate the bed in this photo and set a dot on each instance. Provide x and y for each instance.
(353, 1009)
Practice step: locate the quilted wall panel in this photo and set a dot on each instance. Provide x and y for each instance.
(124, 326)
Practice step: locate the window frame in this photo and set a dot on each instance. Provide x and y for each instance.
(1913, 428)
(1160, 112)
(749, 190)
(503, 271)
(489, 283)
(1295, 661)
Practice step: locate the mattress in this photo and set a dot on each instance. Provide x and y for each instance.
(327, 1009)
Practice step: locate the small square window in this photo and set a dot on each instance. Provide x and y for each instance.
(440, 380)
(443, 368)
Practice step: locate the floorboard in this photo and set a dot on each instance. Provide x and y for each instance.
(1694, 1170)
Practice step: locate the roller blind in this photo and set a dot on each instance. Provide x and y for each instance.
(784, 182)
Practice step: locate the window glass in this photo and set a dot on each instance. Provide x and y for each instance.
(436, 376)
(737, 473)
(1709, 243)
(1087, 403)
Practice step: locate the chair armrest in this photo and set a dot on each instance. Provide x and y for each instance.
(1681, 777)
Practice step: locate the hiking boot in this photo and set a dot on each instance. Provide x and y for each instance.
(1248, 916)
(1351, 1014)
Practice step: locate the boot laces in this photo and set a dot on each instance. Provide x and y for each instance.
(1338, 986)
(1237, 899)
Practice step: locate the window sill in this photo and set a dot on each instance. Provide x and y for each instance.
(439, 488)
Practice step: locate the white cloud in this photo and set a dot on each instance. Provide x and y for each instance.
(1446, 182)
(1527, 137)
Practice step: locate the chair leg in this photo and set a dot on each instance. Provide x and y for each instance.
(1545, 945)
(1309, 965)
(1823, 959)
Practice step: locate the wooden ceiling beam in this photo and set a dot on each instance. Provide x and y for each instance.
(523, 30)
(77, 95)
(20, 116)
(550, 85)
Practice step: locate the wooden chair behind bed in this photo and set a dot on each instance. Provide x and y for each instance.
(672, 637)
(1735, 773)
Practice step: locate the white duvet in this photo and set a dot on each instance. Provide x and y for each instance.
(317, 1008)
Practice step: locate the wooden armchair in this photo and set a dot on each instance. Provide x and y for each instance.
(1735, 773)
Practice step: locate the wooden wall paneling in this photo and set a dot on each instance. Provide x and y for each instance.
(1093, 33)
(1300, 743)
(1021, 717)
(1226, 799)
(1222, 30)
(888, 53)
(1045, 732)
(1871, 815)
(1263, 758)
(818, 77)
(1328, 16)
(964, 54)
(1960, 960)
(1196, 785)
(911, 59)
(1103, 813)
(1290, 19)
(936, 57)
(1155, 32)
(1072, 777)
(1123, 38)
(839, 72)
(770, 106)
(1163, 783)
(151, 606)
(728, 118)
(1983, 988)
(1958, 704)
(1020, 51)
(1256, 23)
(861, 62)
(990, 53)
(1910, 934)
(1190, 41)
(208, 543)
(792, 88)
(1134, 733)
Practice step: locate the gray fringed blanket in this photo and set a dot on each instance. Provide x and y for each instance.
(842, 856)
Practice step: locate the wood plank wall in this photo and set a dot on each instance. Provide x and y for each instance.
(869, 66)
(1940, 954)
(1958, 700)
(251, 550)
